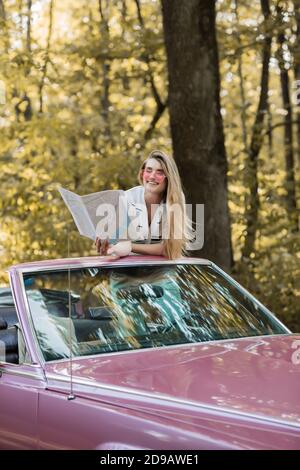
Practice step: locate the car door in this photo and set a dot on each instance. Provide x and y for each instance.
(19, 388)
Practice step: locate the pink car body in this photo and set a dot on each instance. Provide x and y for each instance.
(241, 393)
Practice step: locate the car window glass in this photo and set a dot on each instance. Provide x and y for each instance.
(117, 309)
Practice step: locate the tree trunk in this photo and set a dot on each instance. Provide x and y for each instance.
(124, 12)
(288, 133)
(2, 11)
(195, 118)
(241, 80)
(105, 100)
(251, 213)
(23, 108)
(160, 104)
(3, 26)
(28, 31)
(270, 132)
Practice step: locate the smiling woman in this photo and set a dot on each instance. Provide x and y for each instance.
(158, 206)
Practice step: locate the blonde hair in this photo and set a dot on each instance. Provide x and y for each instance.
(174, 247)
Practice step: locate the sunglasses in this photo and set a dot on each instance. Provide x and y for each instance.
(157, 174)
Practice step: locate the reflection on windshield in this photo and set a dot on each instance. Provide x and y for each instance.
(117, 309)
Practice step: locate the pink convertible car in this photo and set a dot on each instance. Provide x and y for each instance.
(143, 353)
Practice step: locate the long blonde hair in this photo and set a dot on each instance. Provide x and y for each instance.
(174, 247)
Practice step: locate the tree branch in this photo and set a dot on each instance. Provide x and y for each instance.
(158, 113)
(252, 205)
(160, 105)
(278, 124)
(242, 86)
(47, 54)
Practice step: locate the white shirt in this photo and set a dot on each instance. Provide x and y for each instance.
(137, 210)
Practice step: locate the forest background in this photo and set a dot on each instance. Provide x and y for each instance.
(84, 98)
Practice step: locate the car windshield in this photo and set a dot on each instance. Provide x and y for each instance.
(103, 309)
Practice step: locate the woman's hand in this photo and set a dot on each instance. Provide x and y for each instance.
(120, 249)
(114, 252)
(101, 246)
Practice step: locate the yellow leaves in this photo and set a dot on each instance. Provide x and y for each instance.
(237, 189)
(130, 141)
(90, 61)
(2, 92)
(28, 173)
(59, 226)
(281, 192)
(138, 127)
(32, 207)
(64, 115)
(3, 236)
(115, 97)
(144, 66)
(35, 245)
(235, 208)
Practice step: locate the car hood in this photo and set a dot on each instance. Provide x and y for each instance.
(259, 376)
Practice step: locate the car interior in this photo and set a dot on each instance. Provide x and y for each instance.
(85, 324)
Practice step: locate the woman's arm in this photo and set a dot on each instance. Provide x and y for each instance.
(124, 248)
(156, 249)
